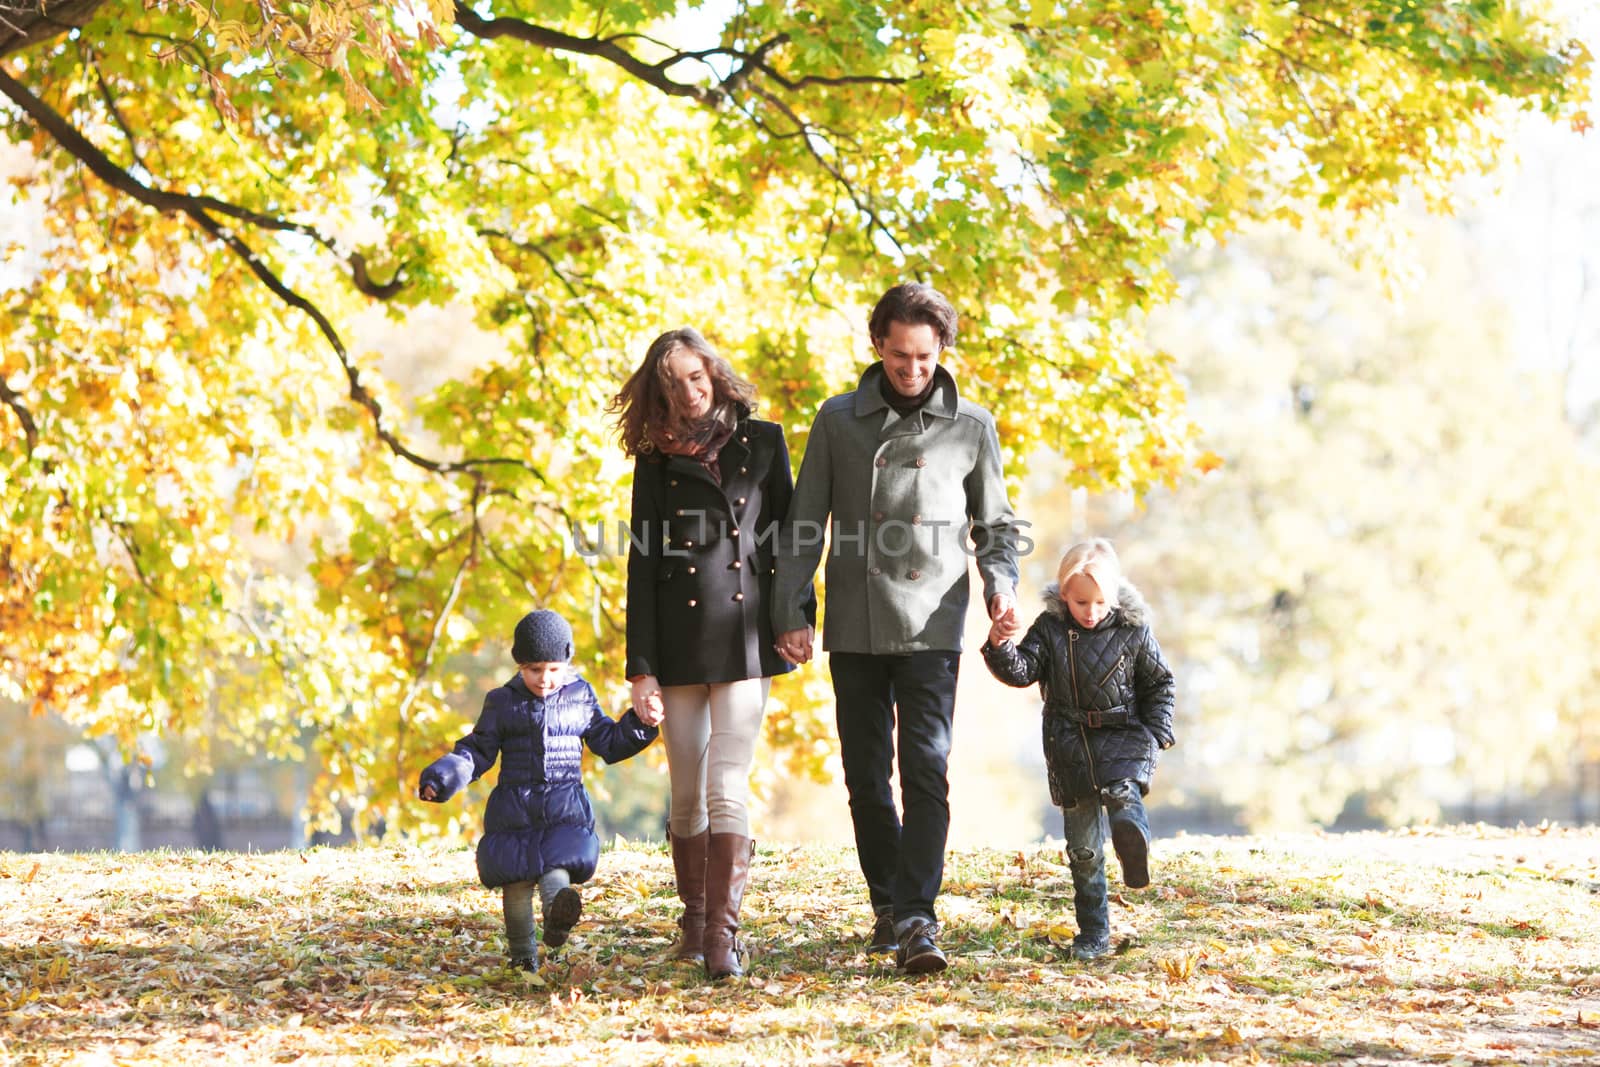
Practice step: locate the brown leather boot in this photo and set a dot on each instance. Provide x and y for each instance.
(689, 865)
(727, 871)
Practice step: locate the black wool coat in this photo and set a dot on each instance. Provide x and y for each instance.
(1108, 693)
(700, 561)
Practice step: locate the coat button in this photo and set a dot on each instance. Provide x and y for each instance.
(688, 544)
(914, 575)
(744, 440)
(733, 532)
(882, 462)
(736, 564)
(916, 520)
(744, 470)
(875, 571)
(739, 502)
(692, 603)
(738, 596)
(679, 513)
(673, 483)
(922, 461)
(692, 570)
(877, 516)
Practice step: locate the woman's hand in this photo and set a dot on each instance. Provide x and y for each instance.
(427, 793)
(795, 645)
(647, 702)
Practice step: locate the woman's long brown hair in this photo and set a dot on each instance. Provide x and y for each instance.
(644, 406)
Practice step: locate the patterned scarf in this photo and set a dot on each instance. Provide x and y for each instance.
(702, 439)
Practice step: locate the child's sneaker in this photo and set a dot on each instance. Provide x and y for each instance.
(565, 909)
(1090, 948)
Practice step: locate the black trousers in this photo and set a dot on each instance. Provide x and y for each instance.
(903, 860)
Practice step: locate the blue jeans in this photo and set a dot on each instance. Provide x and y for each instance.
(902, 862)
(1086, 851)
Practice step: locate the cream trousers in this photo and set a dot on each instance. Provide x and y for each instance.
(711, 733)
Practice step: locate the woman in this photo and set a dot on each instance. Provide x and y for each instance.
(710, 486)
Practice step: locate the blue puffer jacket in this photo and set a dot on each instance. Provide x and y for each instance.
(538, 816)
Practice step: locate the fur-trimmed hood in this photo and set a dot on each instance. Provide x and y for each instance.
(1131, 606)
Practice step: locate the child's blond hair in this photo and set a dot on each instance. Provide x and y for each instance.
(1098, 560)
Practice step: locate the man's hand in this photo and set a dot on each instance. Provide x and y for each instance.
(1001, 605)
(795, 645)
(1003, 614)
(647, 702)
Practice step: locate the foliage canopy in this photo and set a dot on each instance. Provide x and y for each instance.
(228, 188)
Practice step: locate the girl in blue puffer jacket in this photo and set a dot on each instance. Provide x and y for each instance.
(538, 825)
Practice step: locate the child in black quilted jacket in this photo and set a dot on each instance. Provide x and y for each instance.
(1108, 696)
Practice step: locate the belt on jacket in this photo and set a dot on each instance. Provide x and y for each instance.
(1093, 717)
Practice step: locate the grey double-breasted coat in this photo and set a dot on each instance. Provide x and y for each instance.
(911, 499)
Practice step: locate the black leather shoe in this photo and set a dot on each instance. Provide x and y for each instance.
(530, 964)
(917, 953)
(883, 939)
(565, 909)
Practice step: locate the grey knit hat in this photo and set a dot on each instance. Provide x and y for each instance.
(542, 637)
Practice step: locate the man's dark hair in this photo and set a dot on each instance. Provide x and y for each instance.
(914, 304)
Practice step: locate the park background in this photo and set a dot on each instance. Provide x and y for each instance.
(1355, 481)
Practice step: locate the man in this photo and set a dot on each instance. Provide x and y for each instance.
(903, 465)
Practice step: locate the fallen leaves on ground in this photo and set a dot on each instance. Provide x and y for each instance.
(1455, 947)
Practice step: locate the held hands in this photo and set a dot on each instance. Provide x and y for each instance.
(1005, 624)
(647, 702)
(795, 645)
(1001, 632)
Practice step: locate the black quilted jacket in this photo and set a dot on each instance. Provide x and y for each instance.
(1108, 693)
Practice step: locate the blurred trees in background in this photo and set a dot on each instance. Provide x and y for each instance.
(1381, 598)
(229, 521)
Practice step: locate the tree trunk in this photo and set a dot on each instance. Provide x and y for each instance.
(207, 827)
(122, 776)
(24, 23)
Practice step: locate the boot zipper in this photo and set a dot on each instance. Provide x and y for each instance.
(1072, 659)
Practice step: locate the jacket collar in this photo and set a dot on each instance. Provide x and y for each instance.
(942, 402)
(734, 453)
(519, 687)
(1131, 609)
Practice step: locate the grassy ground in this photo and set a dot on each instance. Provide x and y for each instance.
(1461, 947)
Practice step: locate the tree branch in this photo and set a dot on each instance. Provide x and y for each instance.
(1288, 64)
(26, 24)
(30, 429)
(538, 249)
(196, 208)
(656, 73)
(474, 533)
(601, 47)
(165, 201)
(809, 131)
